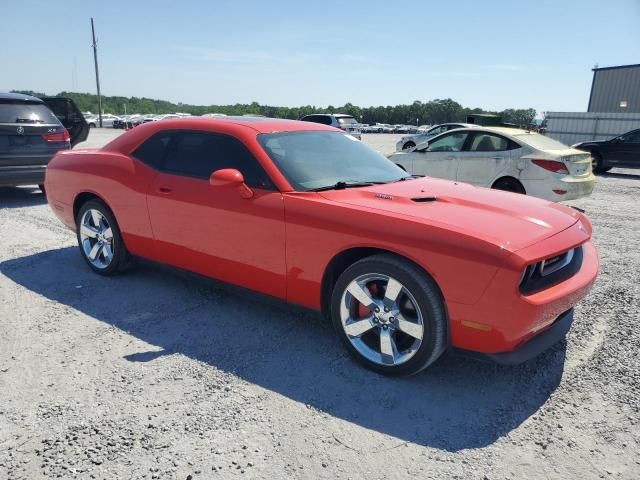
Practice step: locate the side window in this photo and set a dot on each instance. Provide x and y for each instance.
(199, 154)
(437, 130)
(487, 142)
(449, 143)
(153, 150)
(632, 137)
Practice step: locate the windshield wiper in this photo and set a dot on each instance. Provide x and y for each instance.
(342, 185)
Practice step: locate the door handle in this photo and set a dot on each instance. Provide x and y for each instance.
(164, 189)
(498, 158)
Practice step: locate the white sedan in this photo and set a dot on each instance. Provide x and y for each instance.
(503, 158)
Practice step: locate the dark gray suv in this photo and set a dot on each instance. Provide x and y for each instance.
(32, 131)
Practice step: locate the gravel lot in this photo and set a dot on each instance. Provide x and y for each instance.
(157, 374)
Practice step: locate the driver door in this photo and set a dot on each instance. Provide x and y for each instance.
(440, 158)
(214, 231)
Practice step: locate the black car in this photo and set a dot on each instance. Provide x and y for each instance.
(622, 151)
(32, 130)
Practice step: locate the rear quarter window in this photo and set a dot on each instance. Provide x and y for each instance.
(12, 111)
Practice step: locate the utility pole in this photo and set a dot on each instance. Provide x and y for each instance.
(95, 59)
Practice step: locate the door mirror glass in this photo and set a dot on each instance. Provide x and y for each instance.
(422, 147)
(230, 177)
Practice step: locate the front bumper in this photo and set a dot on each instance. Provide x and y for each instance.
(531, 348)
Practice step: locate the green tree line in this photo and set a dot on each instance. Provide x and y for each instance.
(431, 112)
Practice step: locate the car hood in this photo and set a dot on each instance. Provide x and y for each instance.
(507, 220)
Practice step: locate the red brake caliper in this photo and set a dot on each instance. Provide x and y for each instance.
(364, 311)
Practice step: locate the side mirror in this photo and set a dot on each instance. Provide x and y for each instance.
(231, 178)
(422, 147)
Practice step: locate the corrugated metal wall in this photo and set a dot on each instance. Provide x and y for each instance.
(574, 127)
(614, 85)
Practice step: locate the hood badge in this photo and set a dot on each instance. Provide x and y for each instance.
(20, 130)
(384, 196)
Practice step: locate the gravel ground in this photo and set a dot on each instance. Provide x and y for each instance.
(157, 374)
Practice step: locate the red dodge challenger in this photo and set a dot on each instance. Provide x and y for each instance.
(404, 267)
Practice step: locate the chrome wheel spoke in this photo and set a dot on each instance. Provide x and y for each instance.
(96, 217)
(410, 328)
(88, 231)
(108, 233)
(388, 349)
(93, 254)
(107, 253)
(358, 327)
(394, 288)
(361, 294)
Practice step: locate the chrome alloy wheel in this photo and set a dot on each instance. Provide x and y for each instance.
(381, 319)
(96, 238)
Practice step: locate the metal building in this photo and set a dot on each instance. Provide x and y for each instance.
(615, 90)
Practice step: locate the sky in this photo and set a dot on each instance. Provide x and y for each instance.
(488, 54)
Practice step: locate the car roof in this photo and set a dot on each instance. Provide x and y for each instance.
(259, 124)
(19, 96)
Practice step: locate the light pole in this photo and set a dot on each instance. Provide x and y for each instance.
(95, 60)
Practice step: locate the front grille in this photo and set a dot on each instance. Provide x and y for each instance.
(551, 271)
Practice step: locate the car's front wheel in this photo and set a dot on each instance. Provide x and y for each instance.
(390, 315)
(408, 146)
(100, 240)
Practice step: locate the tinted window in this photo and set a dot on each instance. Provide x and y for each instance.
(632, 137)
(323, 119)
(199, 154)
(449, 143)
(16, 111)
(486, 142)
(153, 150)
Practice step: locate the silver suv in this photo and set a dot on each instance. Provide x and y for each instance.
(339, 120)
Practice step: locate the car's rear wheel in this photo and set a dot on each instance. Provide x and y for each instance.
(597, 163)
(100, 240)
(390, 315)
(509, 184)
(408, 146)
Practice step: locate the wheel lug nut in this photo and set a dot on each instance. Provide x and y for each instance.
(386, 309)
(392, 319)
(377, 310)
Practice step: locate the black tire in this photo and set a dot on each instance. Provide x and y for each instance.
(509, 184)
(428, 297)
(121, 259)
(41, 187)
(598, 163)
(408, 145)
(92, 125)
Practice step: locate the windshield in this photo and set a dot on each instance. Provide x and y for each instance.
(540, 142)
(347, 121)
(311, 160)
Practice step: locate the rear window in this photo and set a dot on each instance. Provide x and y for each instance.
(540, 142)
(346, 120)
(12, 111)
